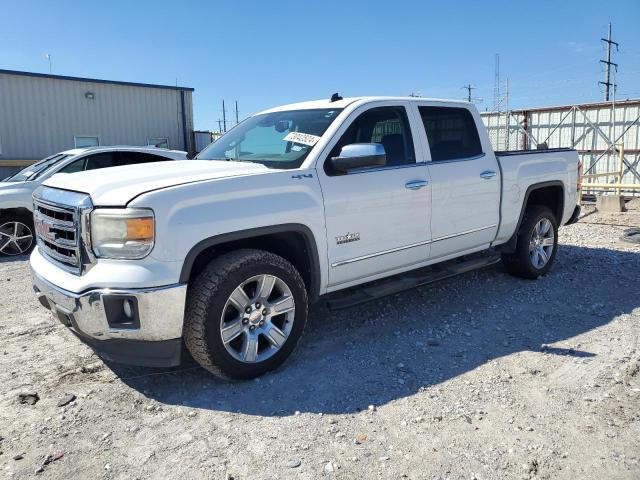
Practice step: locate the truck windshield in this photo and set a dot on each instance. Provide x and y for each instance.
(277, 140)
(34, 171)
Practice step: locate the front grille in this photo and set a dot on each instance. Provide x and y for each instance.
(58, 233)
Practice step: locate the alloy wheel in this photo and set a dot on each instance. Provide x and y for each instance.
(542, 243)
(257, 318)
(16, 238)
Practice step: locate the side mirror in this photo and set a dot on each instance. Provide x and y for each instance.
(359, 155)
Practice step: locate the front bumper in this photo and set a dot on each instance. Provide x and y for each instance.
(150, 336)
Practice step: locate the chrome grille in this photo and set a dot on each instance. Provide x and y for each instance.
(57, 232)
(61, 221)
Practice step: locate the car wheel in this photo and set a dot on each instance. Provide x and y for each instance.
(245, 313)
(536, 246)
(16, 236)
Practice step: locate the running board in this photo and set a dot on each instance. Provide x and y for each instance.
(405, 281)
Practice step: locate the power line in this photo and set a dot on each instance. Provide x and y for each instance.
(607, 83)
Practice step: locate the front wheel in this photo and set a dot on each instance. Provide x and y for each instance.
(245, 313)
(16, 235)
(536, 246)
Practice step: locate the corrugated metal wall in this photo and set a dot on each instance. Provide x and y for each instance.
(589, 128)
(40, 116)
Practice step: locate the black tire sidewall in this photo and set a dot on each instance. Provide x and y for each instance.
(220, 356)
(529, 222)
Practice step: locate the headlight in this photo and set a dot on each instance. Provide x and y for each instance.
(125, 233)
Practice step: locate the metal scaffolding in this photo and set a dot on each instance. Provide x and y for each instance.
(606, 136)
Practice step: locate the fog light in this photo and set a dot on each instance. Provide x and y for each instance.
(127, 307)
(121, 311)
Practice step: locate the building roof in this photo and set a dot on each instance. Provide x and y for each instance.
(93, 80)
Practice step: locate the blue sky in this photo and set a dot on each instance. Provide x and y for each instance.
(265, 53)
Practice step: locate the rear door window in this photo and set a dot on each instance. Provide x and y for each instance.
(452, 133)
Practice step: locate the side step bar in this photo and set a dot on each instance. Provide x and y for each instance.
(399, 283)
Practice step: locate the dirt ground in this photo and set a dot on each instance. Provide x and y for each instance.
(484, 376)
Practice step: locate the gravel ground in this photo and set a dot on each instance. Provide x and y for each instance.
(484, 376)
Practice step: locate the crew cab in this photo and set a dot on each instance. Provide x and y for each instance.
(349, 198)
(16, 204)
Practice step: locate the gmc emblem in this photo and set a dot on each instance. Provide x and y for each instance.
(43, 229)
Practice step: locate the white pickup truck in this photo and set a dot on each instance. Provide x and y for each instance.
(224, 253)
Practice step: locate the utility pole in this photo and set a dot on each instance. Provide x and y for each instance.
(237, 121)
(224, 116)
(468, 88)
(607, 83)
(219, 125)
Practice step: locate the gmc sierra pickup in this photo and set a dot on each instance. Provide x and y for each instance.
(224, 253)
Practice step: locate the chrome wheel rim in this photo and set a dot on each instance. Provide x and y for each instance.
(257, 318)
(541, 243)
(16, 238)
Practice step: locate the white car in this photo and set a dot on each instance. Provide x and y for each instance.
(16, 204)
(343, 199)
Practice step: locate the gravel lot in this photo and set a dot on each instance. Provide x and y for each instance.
(484, 376)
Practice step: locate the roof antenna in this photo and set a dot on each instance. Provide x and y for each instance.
(335, 97)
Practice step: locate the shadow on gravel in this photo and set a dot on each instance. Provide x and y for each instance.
(16, 258)
(390, 348)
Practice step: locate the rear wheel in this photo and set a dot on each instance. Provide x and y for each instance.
(245, 314)
(16, 235)
(536, 245)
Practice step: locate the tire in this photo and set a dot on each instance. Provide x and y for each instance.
(524, 262)
(212, 309)
(16, 235)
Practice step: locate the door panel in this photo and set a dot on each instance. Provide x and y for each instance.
(387, 216)
(465, 181)
(377, 219)
(465, 211)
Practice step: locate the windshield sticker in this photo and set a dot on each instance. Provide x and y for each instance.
(303, 138)
(296, 148)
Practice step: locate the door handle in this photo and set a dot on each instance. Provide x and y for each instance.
(416, 184)
(488, 174)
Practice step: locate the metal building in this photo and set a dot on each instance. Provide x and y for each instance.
(43, 114)
(602, 133)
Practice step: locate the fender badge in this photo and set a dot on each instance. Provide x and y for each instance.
(349, 237)
(302, 175)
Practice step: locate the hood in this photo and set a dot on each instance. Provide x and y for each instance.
(116, 186)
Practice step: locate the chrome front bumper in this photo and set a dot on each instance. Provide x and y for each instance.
(159, 316)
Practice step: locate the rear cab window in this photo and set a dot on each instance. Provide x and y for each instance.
(452, 133)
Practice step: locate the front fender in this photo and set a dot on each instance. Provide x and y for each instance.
(189, 217)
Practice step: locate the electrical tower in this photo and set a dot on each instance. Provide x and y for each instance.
(496, 84)
(607, 83)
